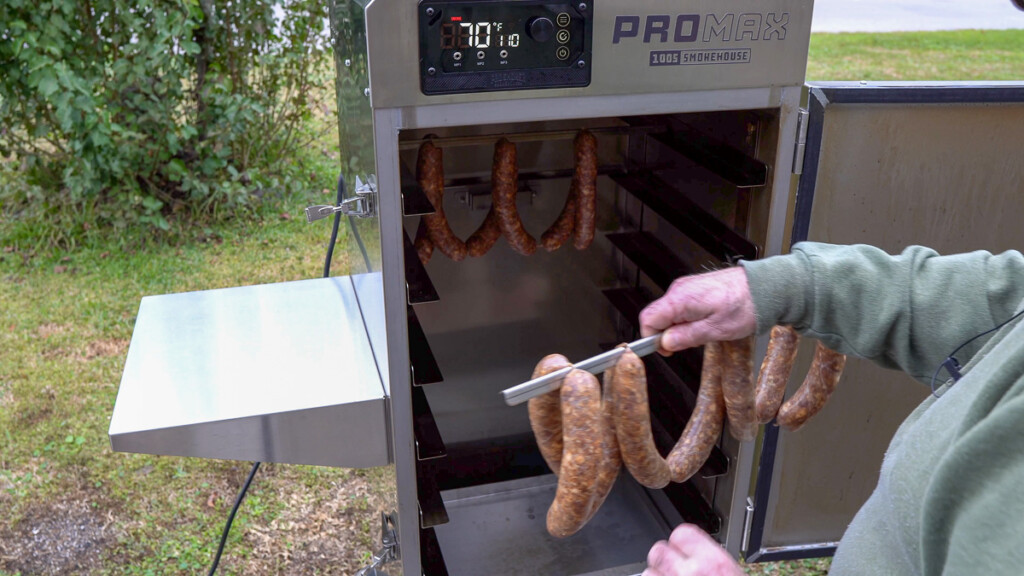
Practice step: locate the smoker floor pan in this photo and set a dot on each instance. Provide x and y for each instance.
(499, 529)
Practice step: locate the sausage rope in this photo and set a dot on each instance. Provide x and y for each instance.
(706, 421)
(585, 182)
(580, 397)
(819, 384)
(430, 175)
(633, 422)
(775, 370)
(738, 387)
(504, 188)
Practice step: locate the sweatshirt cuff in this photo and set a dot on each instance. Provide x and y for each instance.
(780, 287)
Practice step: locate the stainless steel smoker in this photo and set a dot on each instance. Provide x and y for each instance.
(711, 149)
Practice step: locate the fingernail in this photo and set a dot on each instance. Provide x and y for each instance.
(669, 341)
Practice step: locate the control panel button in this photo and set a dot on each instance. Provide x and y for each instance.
(481, 55)
(562, 36)
(562, 53)
(457, 56)
(562, 19)
(540, 29)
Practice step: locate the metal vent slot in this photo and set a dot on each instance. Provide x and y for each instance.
(429, 444)
(432, 510)
(685, 215)
(486, 462)
(654, 259)
(720, 158)
(431, 558)
(424, 367)
(417, 282)
(691, 505)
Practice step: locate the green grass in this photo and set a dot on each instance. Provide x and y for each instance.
(66, 318)
(946, 55)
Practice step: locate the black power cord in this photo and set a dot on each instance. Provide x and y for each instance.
(952, 365)
(231, 517)
(327, 274)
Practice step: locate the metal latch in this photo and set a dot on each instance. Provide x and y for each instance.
(801, 141)
(362, 205)
(389, 550)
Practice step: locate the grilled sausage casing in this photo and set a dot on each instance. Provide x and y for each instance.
(775, 370)
(561, 230)
(585, 180)
(504, 187)
(484, 238)
(430, 175)
(580, 397)
(546, 414)
(738, 387)
(819, 384)
(633, 422)
(706, 421)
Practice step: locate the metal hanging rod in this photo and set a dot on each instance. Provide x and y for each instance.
(534, 136)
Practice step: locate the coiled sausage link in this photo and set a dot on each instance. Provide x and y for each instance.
(819, 384)
(504, 187)
(611, 458)
(706, 421)
(484, 238)
(546, 414)
(585, 180)
(424, 247)
(775, 370)
(561, 230)
(580, 397)
(738, 387)
(430, 175)
(633, 422)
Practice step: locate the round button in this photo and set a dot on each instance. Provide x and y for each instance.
(481, 55)
(457, 56)
(562, 53)
(540, 28)
(562, 19)
(503, 53)
(562, 36)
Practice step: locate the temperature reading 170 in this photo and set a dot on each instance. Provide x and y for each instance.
(463, 35)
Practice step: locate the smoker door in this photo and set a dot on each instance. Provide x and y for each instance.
(890, 165)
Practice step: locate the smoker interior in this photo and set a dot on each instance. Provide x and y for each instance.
(676, 194)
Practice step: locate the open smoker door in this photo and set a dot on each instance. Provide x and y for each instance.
(890, 165)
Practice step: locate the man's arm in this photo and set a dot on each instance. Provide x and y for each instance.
(907, 311)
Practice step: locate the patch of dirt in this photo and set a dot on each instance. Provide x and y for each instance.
(318, 533)
(63, 537)
(50, 329)
(110, 347)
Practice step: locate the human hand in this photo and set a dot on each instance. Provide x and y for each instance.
(690, 551)
(711, 307)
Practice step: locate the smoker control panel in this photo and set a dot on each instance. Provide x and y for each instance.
(492, 45)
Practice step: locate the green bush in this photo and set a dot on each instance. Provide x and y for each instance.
(137, 116)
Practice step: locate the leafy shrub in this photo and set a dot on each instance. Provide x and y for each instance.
(143, 115)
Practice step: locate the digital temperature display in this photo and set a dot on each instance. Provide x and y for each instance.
(465, 35)
(484, 45)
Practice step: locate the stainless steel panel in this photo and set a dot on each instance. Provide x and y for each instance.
(362, 255)
(777, 51)
(389, 183)
(945, 175)
(277, 373)
(500, 529)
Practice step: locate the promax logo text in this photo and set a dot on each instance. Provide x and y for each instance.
(664, 28)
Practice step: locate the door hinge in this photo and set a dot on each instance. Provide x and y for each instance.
(362, 205)
(389, 550)
(748, 521)
(801, 141)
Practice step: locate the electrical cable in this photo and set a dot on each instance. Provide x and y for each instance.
(327, 274)
(231, 517)
(952, 365)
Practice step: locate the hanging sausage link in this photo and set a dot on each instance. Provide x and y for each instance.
(430, 174)
(504, 188)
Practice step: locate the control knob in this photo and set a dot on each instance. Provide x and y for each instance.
(540, 28)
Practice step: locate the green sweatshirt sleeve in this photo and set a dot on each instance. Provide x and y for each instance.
(907, 311)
